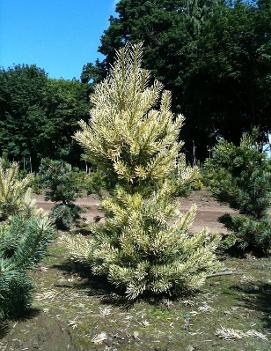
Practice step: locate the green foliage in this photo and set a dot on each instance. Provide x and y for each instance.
(227, 243)
(131, 151)
(66, 103)
(24, 236)
(99, 182)
(241, 176)
(15, 193)
(61, 184)
(213, 55)
(38, 115)
(36, 185)
(184, 187)
(23, 243)
(15, 290)
(250, 234)
(85, 181)
(145, 245)
(57, 178)
(64, 215)
(138, 248)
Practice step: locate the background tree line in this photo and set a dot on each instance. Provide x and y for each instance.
(214, 55)
(39, 115)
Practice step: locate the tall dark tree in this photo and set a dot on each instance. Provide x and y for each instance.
(234, 68)
(65, 104)
(21, 93)
(213, 55)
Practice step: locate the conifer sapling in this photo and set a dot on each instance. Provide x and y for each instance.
(145, 244)
(240, 175)
(58, 179)
(25, 233)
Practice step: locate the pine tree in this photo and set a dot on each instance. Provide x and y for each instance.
(58, 179)
(15, 193)
(145, 244)
(25, 233)
(23, 243)
(241, 176)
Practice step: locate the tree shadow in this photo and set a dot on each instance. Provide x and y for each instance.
(30, 313)
(258, 298)
(26, 315)
(95, 286)
(82, 230)
(108, 294)
(4, 329)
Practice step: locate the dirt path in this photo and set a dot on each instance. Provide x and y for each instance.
(208, 212)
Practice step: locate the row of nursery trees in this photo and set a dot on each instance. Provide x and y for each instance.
(145, 245)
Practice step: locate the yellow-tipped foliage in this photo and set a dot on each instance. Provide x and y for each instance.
(129, 139)
(145, 244)
(15, 194)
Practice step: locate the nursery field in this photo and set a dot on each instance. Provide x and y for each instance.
(73, 311)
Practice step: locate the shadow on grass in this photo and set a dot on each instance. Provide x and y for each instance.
(107, 293)
(85, 231)
(94, 285)
(28, 314)
(258, 298)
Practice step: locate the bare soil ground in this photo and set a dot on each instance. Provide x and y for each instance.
(74, 311)
(208, 212)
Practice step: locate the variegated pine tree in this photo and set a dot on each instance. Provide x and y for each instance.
(145, 244)
(15, 194)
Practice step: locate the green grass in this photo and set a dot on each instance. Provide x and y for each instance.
(70, 309)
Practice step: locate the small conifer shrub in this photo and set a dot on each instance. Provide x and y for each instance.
(145, 244)
(61, 186)
(241, 176)
(23, 243)
(25, 233)
(15, 193)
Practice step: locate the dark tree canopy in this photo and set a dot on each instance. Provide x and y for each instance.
(38, 115)
(215, 56)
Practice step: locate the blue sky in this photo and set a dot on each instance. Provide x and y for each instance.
(57, 35)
